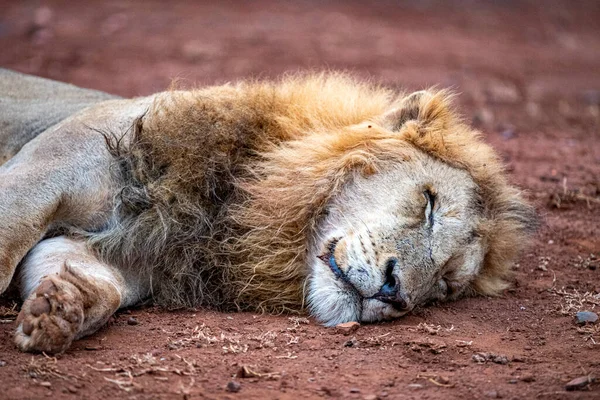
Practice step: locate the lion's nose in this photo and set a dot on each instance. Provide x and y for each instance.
(391, 292)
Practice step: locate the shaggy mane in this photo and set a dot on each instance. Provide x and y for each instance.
(223, 186)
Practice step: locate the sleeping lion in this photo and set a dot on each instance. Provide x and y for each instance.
(316, 191)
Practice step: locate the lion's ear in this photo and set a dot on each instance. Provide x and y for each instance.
(428, 108)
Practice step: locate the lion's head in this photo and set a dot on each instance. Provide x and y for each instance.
(421, 229)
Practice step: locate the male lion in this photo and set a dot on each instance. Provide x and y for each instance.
(317, 189)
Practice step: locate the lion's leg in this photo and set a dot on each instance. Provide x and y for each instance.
(61, 178)
(54, 181)
(68, 294)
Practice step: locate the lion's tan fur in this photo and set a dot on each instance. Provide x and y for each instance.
(223, 187)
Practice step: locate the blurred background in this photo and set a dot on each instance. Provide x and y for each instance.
(501, 51)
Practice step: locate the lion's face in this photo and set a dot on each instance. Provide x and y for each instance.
(394, 240)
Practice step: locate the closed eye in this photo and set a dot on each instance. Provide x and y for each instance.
(430, 197)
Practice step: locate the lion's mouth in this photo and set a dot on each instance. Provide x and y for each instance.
(329, 259)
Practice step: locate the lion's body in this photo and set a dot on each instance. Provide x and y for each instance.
(219, 196)
(30, 105)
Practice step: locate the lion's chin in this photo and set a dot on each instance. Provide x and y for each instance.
(332, 306)
(374, 310)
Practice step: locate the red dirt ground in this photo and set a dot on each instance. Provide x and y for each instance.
(527, 73)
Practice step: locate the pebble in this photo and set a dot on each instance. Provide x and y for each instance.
(586, 317)
(528, 378)
(233, 386)
(354, 390)
(415, 386)
(347, 327)
(2, 363)
(371, 397)
(132, 321)
(496, 358)
(500, 359)
(579, 383)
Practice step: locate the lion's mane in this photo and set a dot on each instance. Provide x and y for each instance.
(222, 187)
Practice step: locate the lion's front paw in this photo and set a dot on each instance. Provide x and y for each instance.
(51, 317)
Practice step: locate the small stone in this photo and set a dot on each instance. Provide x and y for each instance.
(415, 386)
(371, 397)
(347, 327)
(45, 384)
(354, 390)
(500, 359)
(528, 378)
(513, 381)
(233, 386)
(351, 343)
(2, 363)
(586, 317)
(579, 383)
(492, 394)
(132, 321)
(330, 392)
(480, 358)
(72, 389)
(384, 394)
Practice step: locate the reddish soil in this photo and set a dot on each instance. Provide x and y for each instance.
(527, 73)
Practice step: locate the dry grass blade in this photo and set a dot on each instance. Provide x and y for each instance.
(247, 372)
(591, 333)
(126, 385)
(575, 301)
(45, 367)
(8, 314)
